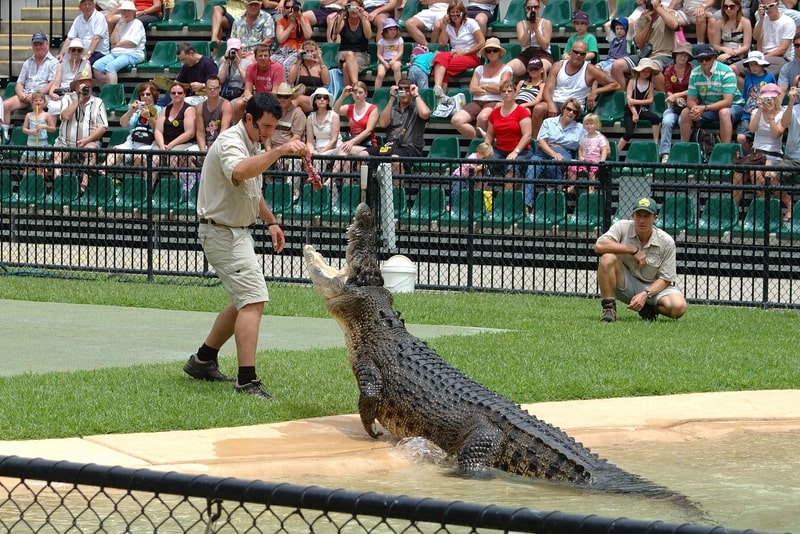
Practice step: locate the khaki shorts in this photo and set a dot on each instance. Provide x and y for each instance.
(231, 251)
(634, 286)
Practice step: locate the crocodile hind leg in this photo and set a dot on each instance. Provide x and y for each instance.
(480, 449)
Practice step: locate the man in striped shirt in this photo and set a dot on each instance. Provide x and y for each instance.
(713, 96)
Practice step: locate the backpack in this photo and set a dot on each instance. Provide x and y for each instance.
(705, 139)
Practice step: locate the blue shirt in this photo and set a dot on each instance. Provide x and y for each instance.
(751, 89)
(569, 137)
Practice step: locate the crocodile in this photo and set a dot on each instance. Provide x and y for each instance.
(412, 392)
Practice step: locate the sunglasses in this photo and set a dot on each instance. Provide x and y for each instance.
(145, 94)
(531, 8)
(283, 96)
(730, 6)
(455, 15)
(321, 97)
(571, 110)
(492, 50)
(770, 6)
(705, 58)
(212, 87)
(797, 45)
(76, 49)
(176, 92)
(578, 53)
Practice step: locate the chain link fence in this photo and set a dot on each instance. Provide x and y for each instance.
(500, 227)
(45, 496)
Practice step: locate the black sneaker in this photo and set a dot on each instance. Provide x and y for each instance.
(205, 370)
(649, 312)
(254, 388)
(609, 315)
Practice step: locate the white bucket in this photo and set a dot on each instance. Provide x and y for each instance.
(399, 274)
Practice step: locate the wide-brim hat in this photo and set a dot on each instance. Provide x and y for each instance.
(84, 76)
(127, 5)
(683, 48)
(647, 63)
(646, 204)
(321, 91)
(285, 89)
(756, 56)
(493, 42)
(76, 43)
(389, 23)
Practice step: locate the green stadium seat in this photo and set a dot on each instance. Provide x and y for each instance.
(676, 214)
(411, 8)
(381, 97)
(133, 194)
(329, 51)
(684, 153)
(6, 189)
(66, 191)
(559, 12)
(278, 196)
(613, 151)
(588, 214)
(203, 24)
(183, 14)
(113, 96)
(720, 215)
(755, 220)
(10, 90)
(31, 191)
(168, 196)
(473, 145)
(555, 51)
(189, 205)
(512, 51)
(597, 11)
(611, 108)
(722, 154)
(400, 199)
(642, 152)
(549, 210)
(427, 207)
(625, 8)
(441, 148)
(508, 210)
(313, 203)
(515, 12)
(460, 214)
(791, 230)
(162, 58)
(344, 208)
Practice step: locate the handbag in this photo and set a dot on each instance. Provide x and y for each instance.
(144, 136)
(751, 159)
(646, 50)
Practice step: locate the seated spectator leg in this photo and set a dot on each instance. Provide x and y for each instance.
(219, 23)
(349, 67)
(10, 106)
(437, 29)
(482, 121)
(686, 123)
(462, 121)
(620, 69)
(538, 115)
(738, 179)
(725, 125)
(531, 176)
(415, 30)
(668, 121)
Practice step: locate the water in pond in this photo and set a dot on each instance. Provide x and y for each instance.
(744, 480)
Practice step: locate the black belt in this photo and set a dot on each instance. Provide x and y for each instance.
(213, 223)
(768, 153)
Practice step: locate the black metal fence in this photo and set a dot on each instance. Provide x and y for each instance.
(39, 495)
(492, 231)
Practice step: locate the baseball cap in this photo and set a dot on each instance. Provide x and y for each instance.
(705, 50)
(38, 37)
(535, 63)
(770, 89)
(581, 16)
(646, 204)
(622, 21)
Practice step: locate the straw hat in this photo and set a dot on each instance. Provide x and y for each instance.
(647, 63)
(493, 42)
(285, 89)
(84, 76)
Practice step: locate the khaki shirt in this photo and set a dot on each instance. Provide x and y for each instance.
(660, 251)
(218, 197)
(661, 37)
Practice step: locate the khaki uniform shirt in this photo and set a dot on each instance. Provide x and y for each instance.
(218, 197)
(660, 251)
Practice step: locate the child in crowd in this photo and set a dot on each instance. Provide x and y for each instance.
(580, 21)
(530, 93)
(758, 77)
(419, 67)
(36, 125)
(390, 52)
(639, 98)
(470, 168)
(593, 148)
(618, 37)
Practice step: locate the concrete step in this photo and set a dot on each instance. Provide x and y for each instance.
(44, 13)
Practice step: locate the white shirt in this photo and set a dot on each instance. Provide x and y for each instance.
(85, 30)
(464, 39)
(134, 32)
(775, 32)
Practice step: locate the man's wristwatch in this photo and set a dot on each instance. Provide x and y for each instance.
(647, 294)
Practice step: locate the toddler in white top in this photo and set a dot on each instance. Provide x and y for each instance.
(390, 52)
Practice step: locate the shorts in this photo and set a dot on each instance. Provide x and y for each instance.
(744, 129)
(634, 286)
(663, 61)
(476, 106)
(473, 11)
(534, 52)
(362, 59)
(231, 251)
(321, 14)
(592, 170)
(428, 17)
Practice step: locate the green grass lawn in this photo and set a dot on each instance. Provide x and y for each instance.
(555, 349)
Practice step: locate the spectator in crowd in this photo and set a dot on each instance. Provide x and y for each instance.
(485, 89)
(791, 70)
(291, 31)
(732, 35)
(147, 11)
(789, 126)
(576, 78)
(175, 130)
(592, 148)
(483, 11)
(712, 96)
(676, 87)
(509, 130)
(425, 20)
(324, 15)
(558, 140)
(533, 34)
(390, 52)
(253, 27)
(36, 125)
(91, 28)
(751, 90)
(655, 30)
(362, 118)
(291, 127)
(693, 13)
(378, 11)
(618, 47)
(322, 128)
(195, 71)
(311, 71)
(213, 116)
(580, 21)
(773, 33)
(765, 124)
(68, 68)
(530, 92)
(228, 200)
(637, 266)
(222, 17)
(127, 45)
(639, 96)
(140, 118)
(420, 66)
(470, 167)
(466, 40)
(404, 118)
(263, 76)
(352, 31)
(37, 74)
(231, 70)
(84, 121)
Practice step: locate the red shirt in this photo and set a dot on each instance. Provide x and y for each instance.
(142, 5)
(507, 131)
(264, 81)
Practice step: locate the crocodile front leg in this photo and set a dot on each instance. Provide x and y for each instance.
(370, 385)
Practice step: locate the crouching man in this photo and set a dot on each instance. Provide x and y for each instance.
(637, 266)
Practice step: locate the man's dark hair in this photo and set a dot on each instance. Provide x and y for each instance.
(262, 103)
(213, 78)
(404, 81)
(185, 48)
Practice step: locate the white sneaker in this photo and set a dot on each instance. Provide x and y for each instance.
(480, 131)
(438, 91)
(664, 158)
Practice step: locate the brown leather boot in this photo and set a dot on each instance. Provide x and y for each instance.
(609, 310)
